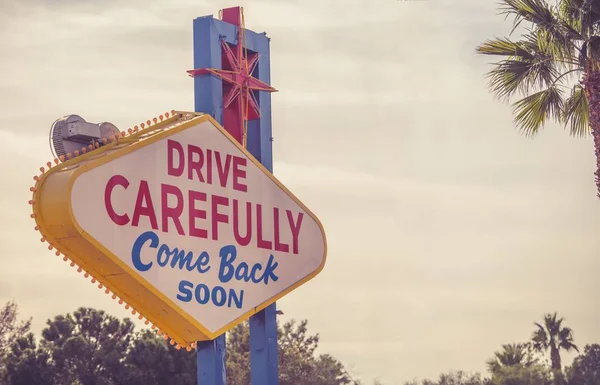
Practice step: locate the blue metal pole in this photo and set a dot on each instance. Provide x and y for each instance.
(264, 368)
(208, 97)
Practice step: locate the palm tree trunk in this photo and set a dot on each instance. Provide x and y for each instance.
(591, 83)
(555, 359)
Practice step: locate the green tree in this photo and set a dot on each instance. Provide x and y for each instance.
(87, 346)
(458, 377)
(585, 369)
(553, 336)
(151, 361)
(521, 375)
(511, 355)
(298, 362)
(11, 329)
(26, 364)
(90, 347)
(559, 39)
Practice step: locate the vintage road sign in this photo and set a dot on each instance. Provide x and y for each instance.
(182, 224)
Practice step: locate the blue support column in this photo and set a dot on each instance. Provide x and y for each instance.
(208, 97)
(264, 368)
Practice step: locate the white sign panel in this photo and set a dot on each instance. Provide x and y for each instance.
(201, 222)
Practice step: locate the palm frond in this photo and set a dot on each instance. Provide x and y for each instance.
(565, 339)
(539, 338)
(572, 18)
(557, 46)
(537, 12)
(510, 76)
(532, 112)
(576, 112)
(504, 47)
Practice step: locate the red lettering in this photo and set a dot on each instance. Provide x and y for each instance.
(173, 145)
(145, 210)
(195, 213)
(245, 240)
(115, 180)
(239, 173)
(171, 212)
(195, 165)
(209, 166)
(216, 216)
(223, 171)
(279, 246)
(260, 242)
(295, 228)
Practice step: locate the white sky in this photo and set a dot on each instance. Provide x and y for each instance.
(449, 233)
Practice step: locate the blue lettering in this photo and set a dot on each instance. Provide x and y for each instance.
(202, 263)
(219, 296)
(163, 255)
(202, 294)
(242, 272)
(176, 258)
(226, 270)
(270, 270)
(184, 259)
(184, 287)
(234, 297)
(136, 250)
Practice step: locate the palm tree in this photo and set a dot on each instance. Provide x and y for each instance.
(554, 66)
(511, 355)
(554, 337)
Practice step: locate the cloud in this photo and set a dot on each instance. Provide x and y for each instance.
(449, 232)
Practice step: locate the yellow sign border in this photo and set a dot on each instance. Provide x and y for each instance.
(94, 163)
